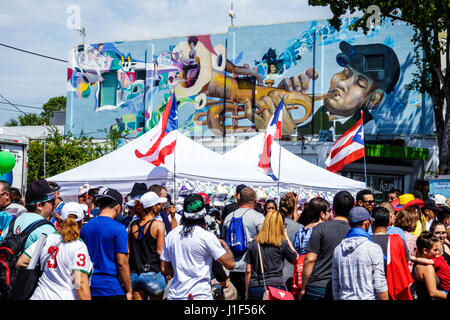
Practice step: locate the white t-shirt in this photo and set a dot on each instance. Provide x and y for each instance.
(191, 259)
(57, 282)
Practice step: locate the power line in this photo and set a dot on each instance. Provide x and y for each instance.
(16, 111)
(30, 52)
(23, 105)
(12, 104)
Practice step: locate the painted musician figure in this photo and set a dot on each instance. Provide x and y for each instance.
(370, 73)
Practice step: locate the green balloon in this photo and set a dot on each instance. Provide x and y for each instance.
(7, 162)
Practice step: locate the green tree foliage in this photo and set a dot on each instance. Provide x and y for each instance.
(12, 123)
(52, 105)
(430, 20)
(32, 119)
(63, 153)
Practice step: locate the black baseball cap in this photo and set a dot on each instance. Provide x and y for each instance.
(194, 207)
(430, 204)
(359, 57)
(240, 187)
(39, 191)
(139, 188)
(55, 187)
(110, 193)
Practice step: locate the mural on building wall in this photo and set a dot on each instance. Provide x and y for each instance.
(219, 93)
(115, 80)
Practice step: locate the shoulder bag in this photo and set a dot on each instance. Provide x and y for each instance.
(272, 293)
(28, 278)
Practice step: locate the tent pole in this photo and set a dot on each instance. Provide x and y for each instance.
(279, 168)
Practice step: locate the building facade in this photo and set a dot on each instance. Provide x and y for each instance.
(228, 85)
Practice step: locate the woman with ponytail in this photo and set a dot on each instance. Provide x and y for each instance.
(68, 266)
(145, 243)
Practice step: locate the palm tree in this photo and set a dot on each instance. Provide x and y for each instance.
(12, 123)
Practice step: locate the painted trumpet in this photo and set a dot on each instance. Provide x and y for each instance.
(237, 105)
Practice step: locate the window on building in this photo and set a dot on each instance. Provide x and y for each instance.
(108, 89)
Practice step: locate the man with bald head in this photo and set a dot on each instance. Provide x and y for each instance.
(252, 221)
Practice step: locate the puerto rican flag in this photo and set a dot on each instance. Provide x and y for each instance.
(398, 276)
(162, 138)
(349, 148)
(273, 131)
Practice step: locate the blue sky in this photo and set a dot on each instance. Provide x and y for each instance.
(41, 26)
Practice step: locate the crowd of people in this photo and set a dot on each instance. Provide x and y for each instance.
(144, 246)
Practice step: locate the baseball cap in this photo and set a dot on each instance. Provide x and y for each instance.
(72, 208)
(113, 194)
(55, 187)
(240, 187)
(430, 204)
(194, 207)
(39, 191)
(84, 189)
(139, 188)
(359, 57)
(205, 198)
(358, 214)
(439, 199)
(150, 198)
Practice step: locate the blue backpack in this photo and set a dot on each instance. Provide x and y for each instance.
(236, 239)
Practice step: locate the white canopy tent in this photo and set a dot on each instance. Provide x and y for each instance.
(295, 173)
(191, 165)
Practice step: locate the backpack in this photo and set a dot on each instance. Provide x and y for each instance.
(11, 248)
(236, 239)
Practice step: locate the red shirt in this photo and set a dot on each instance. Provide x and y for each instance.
(442, 270)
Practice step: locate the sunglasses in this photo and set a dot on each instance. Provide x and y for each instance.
(369, 201)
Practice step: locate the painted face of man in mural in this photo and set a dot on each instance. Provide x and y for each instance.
(370, 72)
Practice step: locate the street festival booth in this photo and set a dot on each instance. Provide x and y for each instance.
(191, 167)
(295, 173)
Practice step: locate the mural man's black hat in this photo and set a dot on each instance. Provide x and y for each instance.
(377, 61)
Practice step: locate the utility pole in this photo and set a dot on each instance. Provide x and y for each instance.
(45, 145)
(82, 32)
(231, 14)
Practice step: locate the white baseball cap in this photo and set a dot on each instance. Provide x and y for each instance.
(439, 199)
(149, 199)
(84, 189)
(72, 208)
